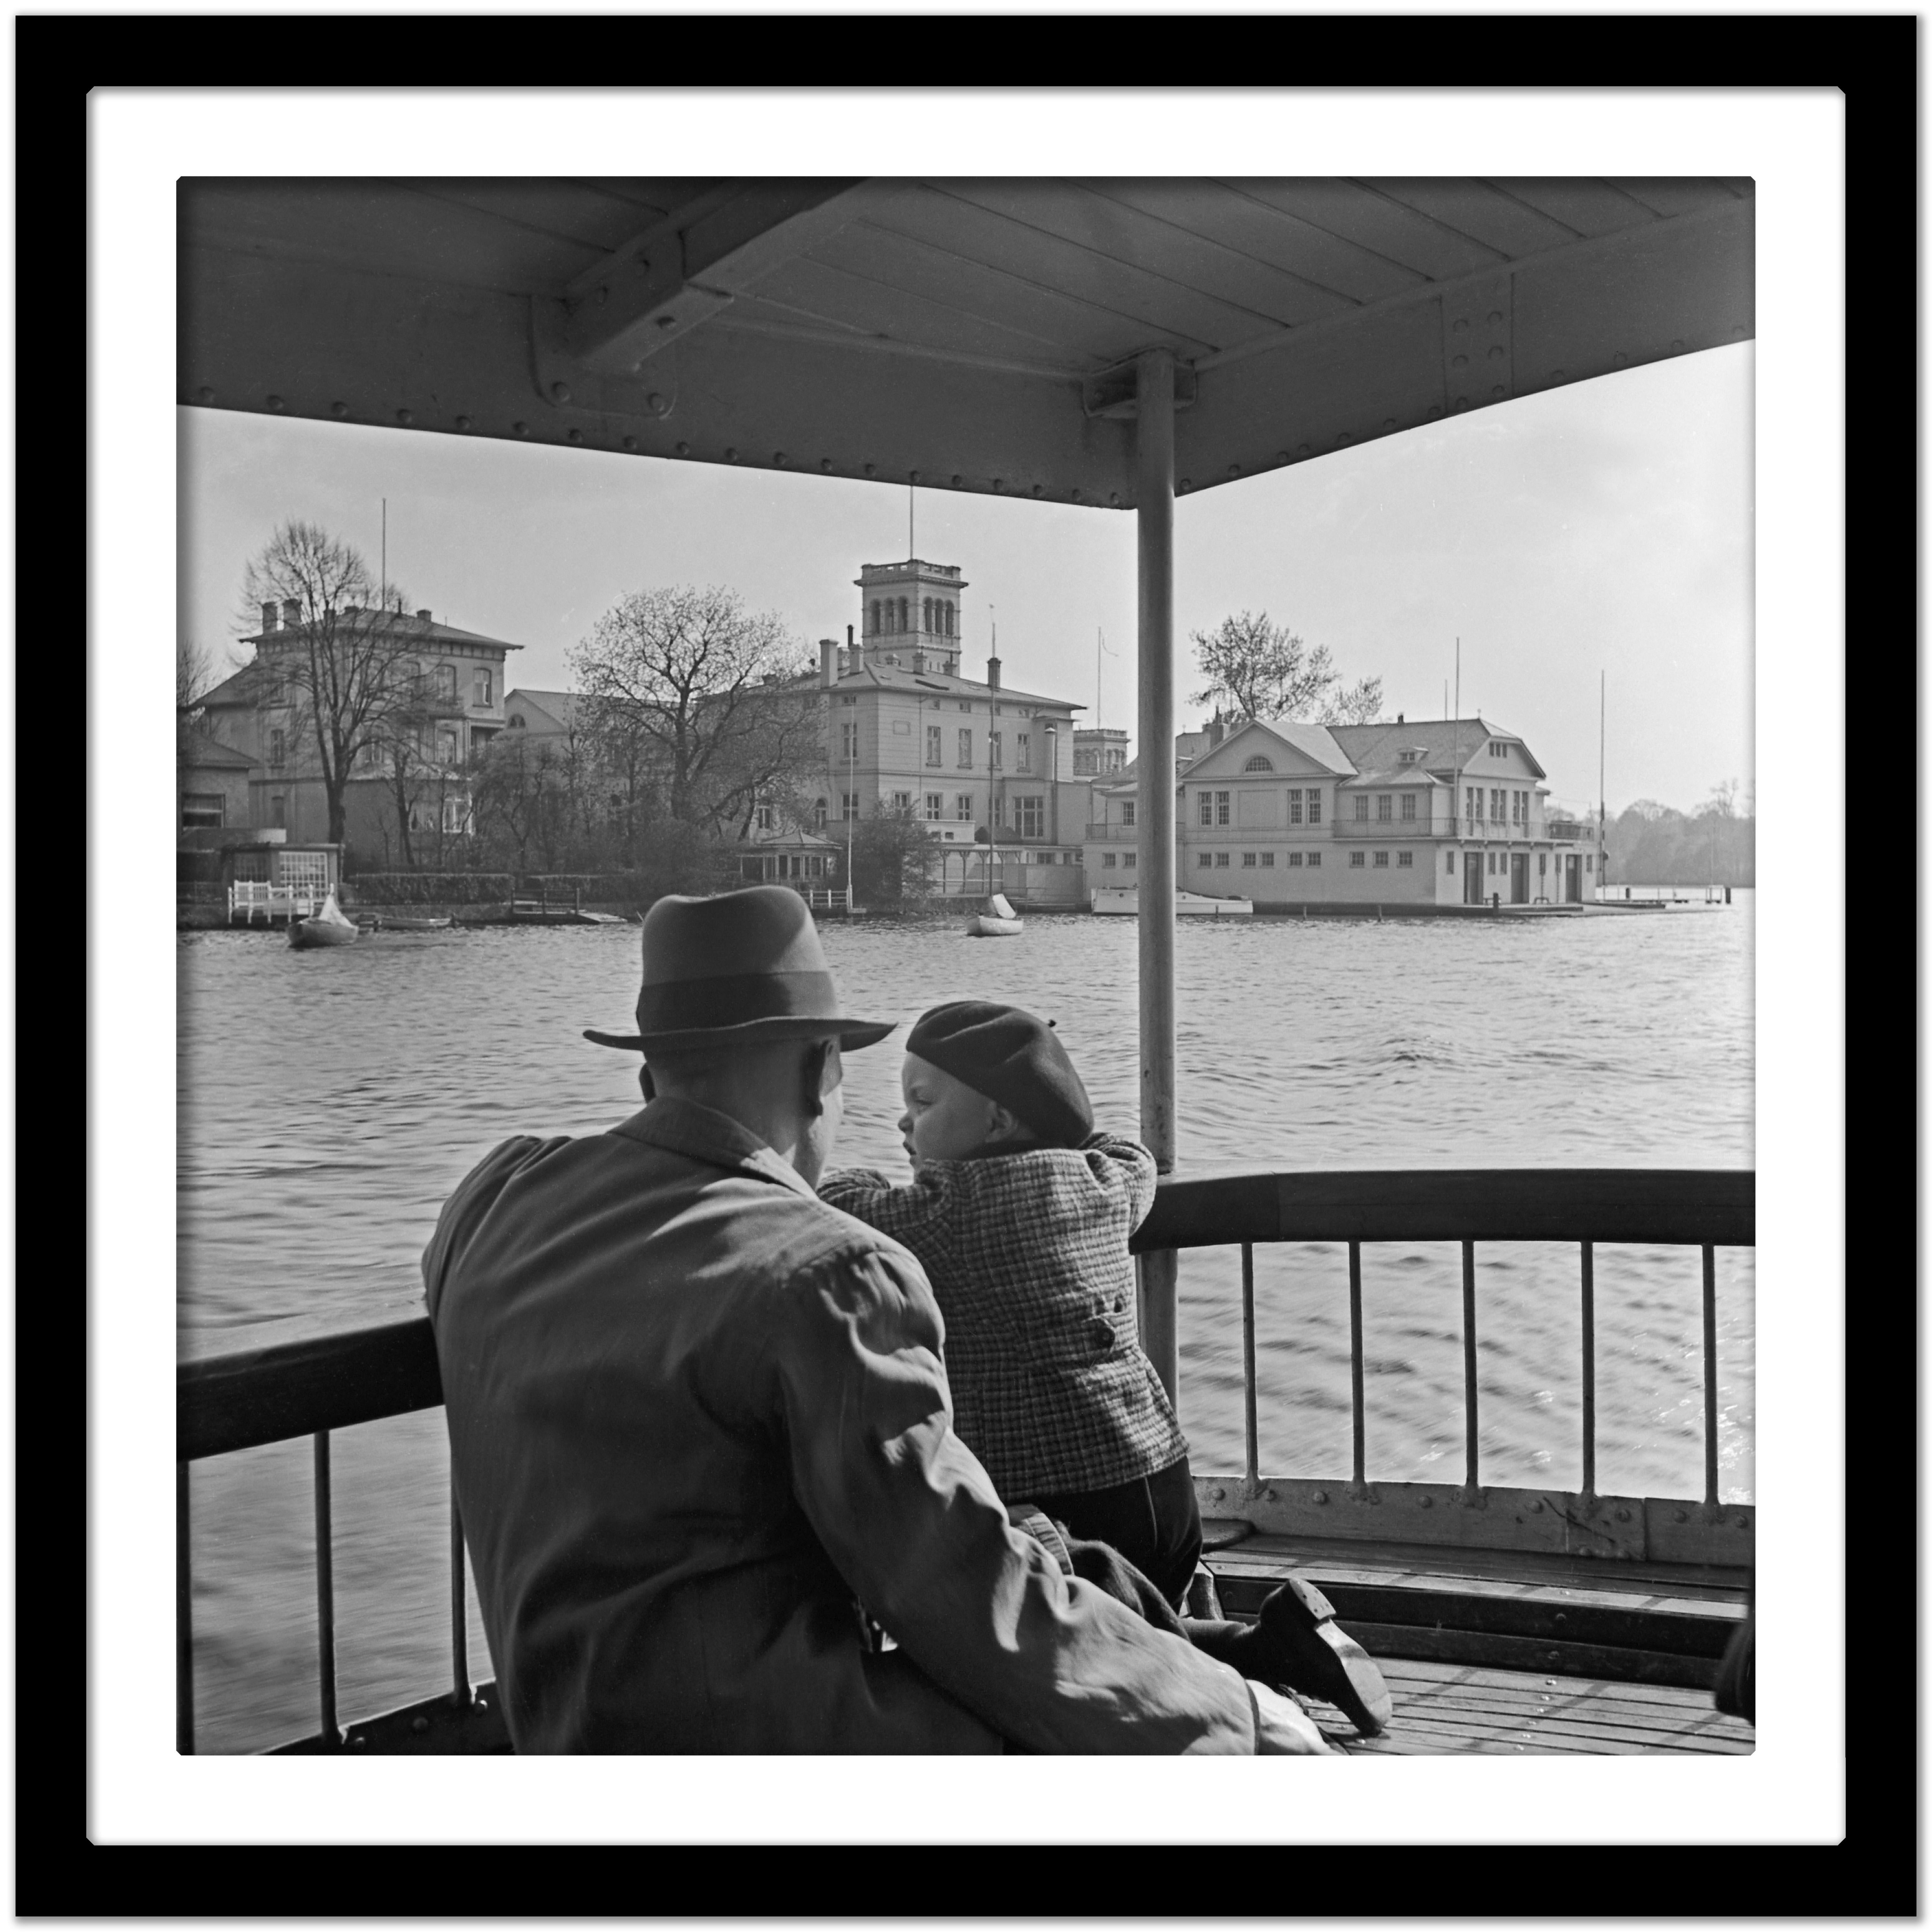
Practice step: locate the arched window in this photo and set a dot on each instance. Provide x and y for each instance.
(874, 625)
(905, 620)
(949, 615)
(1258, 763)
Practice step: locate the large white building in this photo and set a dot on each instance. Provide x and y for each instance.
(1437, 813)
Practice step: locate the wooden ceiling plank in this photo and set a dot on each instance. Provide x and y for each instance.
(1668, 196)
(1071, 328)
(990, 241)
(567, 210)
(1591, 208)
(1141, 244)
(653, 196)
(823, 292)
(378, 225)
(1352, 213)
(1474, 209)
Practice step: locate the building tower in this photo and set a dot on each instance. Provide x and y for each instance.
(909, 614)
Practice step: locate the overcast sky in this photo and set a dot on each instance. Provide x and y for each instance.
(1602, 527)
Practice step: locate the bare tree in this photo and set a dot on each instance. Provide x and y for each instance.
(1270, 674)
(341, 657)
(194, 673)
(712, 705)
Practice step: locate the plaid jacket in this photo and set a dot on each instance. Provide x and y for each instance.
(1028, 1257)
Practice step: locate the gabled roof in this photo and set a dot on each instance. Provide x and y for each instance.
(416, 630)
(193, 746)
(239, 688)
(1399, 775)
(1446, 743)
(559, 706)
(942, 684)
(1311, 743)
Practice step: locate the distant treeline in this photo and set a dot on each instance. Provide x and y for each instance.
(1652, 844)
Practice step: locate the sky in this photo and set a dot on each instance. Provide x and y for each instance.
(1601, 529)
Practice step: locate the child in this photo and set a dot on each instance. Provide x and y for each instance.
(1020, 1214)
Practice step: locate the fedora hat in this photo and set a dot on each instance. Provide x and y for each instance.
(742, 968)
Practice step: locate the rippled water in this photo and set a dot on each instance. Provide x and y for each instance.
(329, 1100)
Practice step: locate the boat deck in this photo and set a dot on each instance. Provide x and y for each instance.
(1495, 1654)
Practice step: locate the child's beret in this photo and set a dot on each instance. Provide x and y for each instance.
(1012, 1057)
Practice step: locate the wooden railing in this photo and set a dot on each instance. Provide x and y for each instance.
(311, 1387)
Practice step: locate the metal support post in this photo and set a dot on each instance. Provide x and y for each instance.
(1153, 486)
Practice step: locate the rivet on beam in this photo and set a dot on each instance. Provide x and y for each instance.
(1040, 489)
(730, 456)
(1342, 440)
(1321, 1496)
(338, 409)
(779, 458)
(1619, 358)
(656, 404)
(1677, 347)
(276, 403)
(1425, 1502)
(667, 321)
(1498, 391)
(1738, 333)
(573, 434)
(406, 417)
(1389, 423)
(1462, 403)
(1301, 449)
(1187, 484)
(630, 442)
(1114, 498)
(912, 475)
(1495, 316)
(872, 469)
(957, 481)
(559, 392)
(204, 395)
(465, 422)
(996, 481)
(684, 449)
(1461, 322)
(825, 464)
(1556, 375)
(521, 428)
(1233, 470)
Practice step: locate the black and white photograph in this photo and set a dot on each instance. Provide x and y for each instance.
(967, 963)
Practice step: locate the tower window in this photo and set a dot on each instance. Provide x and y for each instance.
(903, 623)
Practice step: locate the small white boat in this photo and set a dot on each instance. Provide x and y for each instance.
(330, 926)
(1126, 899)
(998, 922)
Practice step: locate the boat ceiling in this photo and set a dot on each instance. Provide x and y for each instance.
(971, 334)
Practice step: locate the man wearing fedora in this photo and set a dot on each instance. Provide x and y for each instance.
(700, 1434)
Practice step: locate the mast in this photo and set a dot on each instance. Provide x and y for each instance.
(1603, 701)
(384, 592)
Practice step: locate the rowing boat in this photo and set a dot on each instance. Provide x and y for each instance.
(330, 926)
(998, 922)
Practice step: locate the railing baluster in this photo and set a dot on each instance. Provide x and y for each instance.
(184, 1621)
(1710, 1374)
(459, 1622)
(1250, 1423)
(1357, 1406)
(324, 1590)
(1470, 1472)
(1589, 1368)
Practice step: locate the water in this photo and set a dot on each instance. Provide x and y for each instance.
(329, 1100)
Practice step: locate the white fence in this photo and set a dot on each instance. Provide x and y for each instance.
(299, 899)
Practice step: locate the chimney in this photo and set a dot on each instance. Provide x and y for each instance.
(993, 673)
(425, 617)
(828, 661)
(291, 610)
(855, 653)
(1398, 717)
(268, 617)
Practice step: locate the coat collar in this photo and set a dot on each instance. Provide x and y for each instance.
(702, 1133)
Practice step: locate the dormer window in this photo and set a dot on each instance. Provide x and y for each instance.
(1258, 763)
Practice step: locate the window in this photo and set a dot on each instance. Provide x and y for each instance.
(200, 807)
(1358, 858)
(1024, 762)
(902, 801)
(1470, 796)
(1381, 859)
(848, 804)
(1448, 862)
(446, 749)
(903, 624)
(1207, 808)
(999, 814)
(1404, 859)
(516, 721)
(446, 682)
(848, 741)
(967, 708)
(935, 805)
(1205, 860)
(965, 748)
(873, 626)
(1127, 812)
(1543, 864)
(485, 687)
(1220, 858)
(1130, 859)
(1221, 807)
(1382, 811)
(1033, 818)
(278, 746)
(1294, 807)
(1361, 807)
(1247, 858)
(926, 613)
(993, 759)
(962, 807)
(1491, 865)
(278, 812)
(935, 753)
(1294, 858)
(1496, 806)
(1107, 862)
(1408, 807)
(818, 813)
(848, 700)
(1258, 764)
(1267, 860)
(764, 818)
(1315, 858)
(1314, 808)
(1588, 861)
